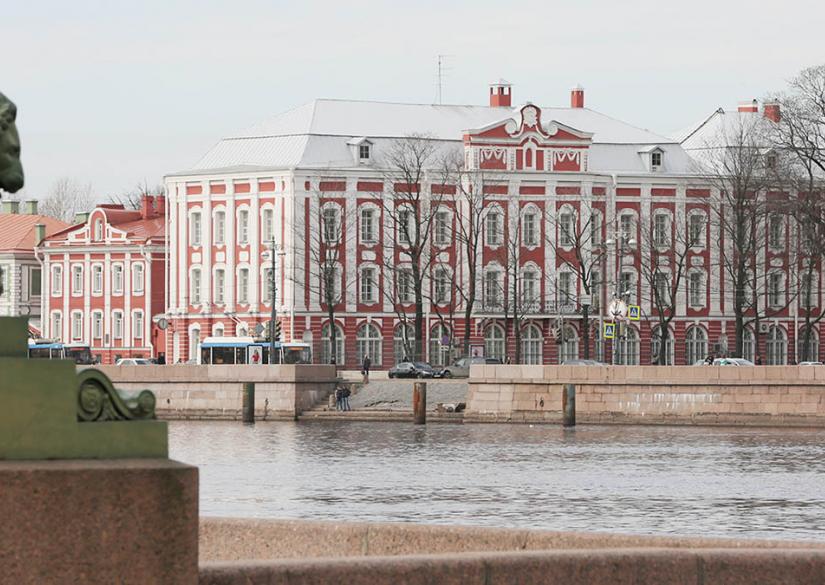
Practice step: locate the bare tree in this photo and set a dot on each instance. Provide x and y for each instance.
(331, 228)
(133, 199)
(799, 157)
(66, 198)
(576, 236)
(736, 166)
(665, 247)
(415, 181)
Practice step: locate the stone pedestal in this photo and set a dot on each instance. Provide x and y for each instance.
(98, 521)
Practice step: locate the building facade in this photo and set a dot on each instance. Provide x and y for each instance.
(21, 230)
(104, 281)
(574, 204)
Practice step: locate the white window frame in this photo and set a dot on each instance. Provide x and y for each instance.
(243, 285)
(117, 279)
(57, 280)
(97, 279)
(443, 221)
(368, 285)
(243, 227)
(77, 280)
(331, 233)
(494, 227)
(367, 219)
(57, 325)
(77, 326)
(97, 325)
(137, 325)
(195, 282)
(195, 229)
(219, 235)
(219, 292)
(267, 224)
(138, 279)
(117, 324)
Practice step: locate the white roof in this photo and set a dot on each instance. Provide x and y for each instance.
(318, 134)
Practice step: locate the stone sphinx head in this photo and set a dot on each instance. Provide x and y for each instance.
(11, 171)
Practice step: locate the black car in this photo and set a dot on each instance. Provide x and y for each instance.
(411, 370)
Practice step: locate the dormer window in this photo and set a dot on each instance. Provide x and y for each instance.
(655, 160)
(364, 152)
(361, 149)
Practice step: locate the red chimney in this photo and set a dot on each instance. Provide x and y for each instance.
(577, 97)
(751, 106)
(500, 94)
(771, 111)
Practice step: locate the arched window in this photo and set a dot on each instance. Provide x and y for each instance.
(494, 346)
(628, 347)
(531, 345)
(403, 342)
(569, 348)
(326, 345)
(368, 342)
(194, 343)
(440, 352)
(748, 345)
(656, 344)
(807, 350)
(696, 345)
(777, 347)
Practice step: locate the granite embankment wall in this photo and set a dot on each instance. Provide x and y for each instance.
(715, 395)
(216, 392)
(243, 551)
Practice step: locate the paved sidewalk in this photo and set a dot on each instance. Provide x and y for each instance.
(397, 394)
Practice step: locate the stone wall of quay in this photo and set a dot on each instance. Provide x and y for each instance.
(197, 392)
(709, 395)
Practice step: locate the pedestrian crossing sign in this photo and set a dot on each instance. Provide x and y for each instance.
(609, 330)
(634, 312)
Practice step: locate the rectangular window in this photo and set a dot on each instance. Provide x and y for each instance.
(368, 231)
(243, 227)
(117, 279)
(442, 228)
(564, 291)
(331, 285)
(661, 226)
(696, 231)
(97, 325)
(331, 227)
(268, 223)
(368, 283)
(4, 280)
(137, 279)
(442, 285)
(57, 326)
(627, 286)
(195, 230)
(364, 152)
(35, 282)
(405, 227)
(656, 159)
(117, 325)
(492, 289)
(195, 285)
(97, 279)
(220, 228)
(596, 291)
(775, 231)
(566, 229)
(595, 229)
(243, 286)
(57, 280)
(775, 292)
(494, 234)
(626, 227)
(77, 280)
(662, 283)
(405, 287)
(220, 284)
(530, 230)
(807, 291)
(77, 325)
(697, 296)
(137, 325)
(529, 290)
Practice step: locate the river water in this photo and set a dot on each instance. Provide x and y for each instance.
(743, 482)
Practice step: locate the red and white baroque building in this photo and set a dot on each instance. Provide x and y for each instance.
(549, 164)
(104, 281)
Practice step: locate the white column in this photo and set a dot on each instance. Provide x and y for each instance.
(231, 247)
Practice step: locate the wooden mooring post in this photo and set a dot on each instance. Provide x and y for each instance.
(420, 403)
(248, 402)
(568, 402)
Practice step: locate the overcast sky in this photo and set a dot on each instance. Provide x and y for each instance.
(118, 93)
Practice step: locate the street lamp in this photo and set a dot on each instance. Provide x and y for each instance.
(618, 293)
(272, 252)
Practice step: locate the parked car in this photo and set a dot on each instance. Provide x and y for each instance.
(134, 362)
(583, 363)
(411, 370)
(726, 362)
(461, 367)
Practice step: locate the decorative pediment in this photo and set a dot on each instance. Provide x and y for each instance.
(526, 143)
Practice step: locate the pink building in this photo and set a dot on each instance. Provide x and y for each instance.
(103, 281)
(549, 171)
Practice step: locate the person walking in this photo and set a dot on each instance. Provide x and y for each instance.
(339, 398)
(365, 369)
(346, 392)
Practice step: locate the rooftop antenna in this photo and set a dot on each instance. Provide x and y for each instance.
(442, 70)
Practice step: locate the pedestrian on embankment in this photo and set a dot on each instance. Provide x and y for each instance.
(339, 398)
(346, 393)
(365, 369)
